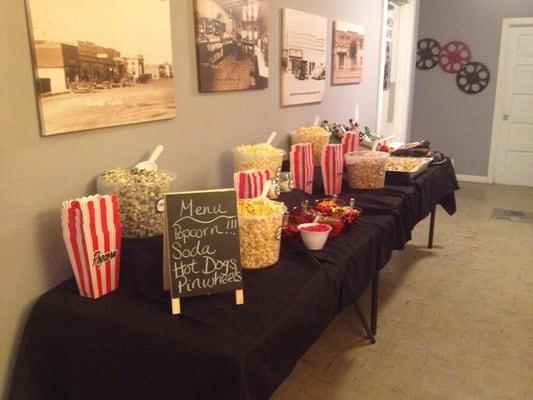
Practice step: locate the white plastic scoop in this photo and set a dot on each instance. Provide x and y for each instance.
(266, 189)
(271, 137)
(150, 164)
(316, 121)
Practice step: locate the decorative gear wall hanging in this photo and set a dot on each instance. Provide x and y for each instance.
(473, 78)
(428, 54)
(453, 56)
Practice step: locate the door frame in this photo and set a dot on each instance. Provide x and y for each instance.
(408, 62)
(382, 44)
(499, 104)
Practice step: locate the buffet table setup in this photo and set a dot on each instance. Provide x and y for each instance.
(128, 343)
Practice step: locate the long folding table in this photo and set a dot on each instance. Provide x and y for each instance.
(127, 345)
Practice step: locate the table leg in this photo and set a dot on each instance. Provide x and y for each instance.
(365, 324)
(374, 306)
(432, 227)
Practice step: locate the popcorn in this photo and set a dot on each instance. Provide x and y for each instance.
(139, 194)
(404, 164)
(258, 156)
(312, 134)
(260, 223)
(366, 170)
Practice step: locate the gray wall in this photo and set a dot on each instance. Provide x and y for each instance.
(458, 124)
(37, 173)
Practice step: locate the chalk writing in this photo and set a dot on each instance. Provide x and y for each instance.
(203, 242)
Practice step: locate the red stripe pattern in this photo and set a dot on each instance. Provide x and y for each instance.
(350, 142)
(302, 166)
(92, 235)
(332, 166)
(250, 184)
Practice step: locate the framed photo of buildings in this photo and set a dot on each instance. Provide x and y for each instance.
(348, 53)
(231, 44)
(303, 60)
(101, 63)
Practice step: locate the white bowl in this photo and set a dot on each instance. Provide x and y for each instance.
(314, 240)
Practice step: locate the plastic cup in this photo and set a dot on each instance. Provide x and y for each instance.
(366, 169)
(260, 237)
(258, 157)
(314, 240)
(317, 136)
(141, 204)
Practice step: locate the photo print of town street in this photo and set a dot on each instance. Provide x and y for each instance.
(101, 63)
(303, 60)
(348, 53)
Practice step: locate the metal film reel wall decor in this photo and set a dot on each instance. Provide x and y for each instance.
(473, 78)
(428, 54)
(453, 56)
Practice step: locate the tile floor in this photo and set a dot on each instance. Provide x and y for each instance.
(455, 322)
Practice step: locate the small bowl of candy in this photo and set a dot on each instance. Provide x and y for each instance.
(327, 206)
(314, 235)
(335, 221)
(303, 214)
(348, 214)
(290, 225)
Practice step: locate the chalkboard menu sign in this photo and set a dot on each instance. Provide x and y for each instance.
(202, 244)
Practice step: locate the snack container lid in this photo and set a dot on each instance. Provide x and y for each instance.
(355, 156)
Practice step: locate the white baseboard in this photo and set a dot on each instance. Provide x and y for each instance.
(473, 178)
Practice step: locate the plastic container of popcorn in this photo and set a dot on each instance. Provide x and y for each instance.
(259, 157)
(366, 169)
(141, 199)
(316, 135)
(260, 229)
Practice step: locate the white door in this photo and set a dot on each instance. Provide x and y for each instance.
(399, 41)
(513, 133)
(389, 75)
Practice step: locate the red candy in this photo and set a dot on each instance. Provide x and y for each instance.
(316, 228)
(290, 230)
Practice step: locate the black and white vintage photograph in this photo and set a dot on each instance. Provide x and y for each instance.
(101, 63)
(231, 45)
(303, 61)
(348, 53)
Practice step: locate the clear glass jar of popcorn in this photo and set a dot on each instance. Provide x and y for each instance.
(312, 134)
(140, 195)
(260, 228)
(366, 169)
(259, 157)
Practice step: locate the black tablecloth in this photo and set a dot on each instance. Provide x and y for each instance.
(409, 203)
(126, 345)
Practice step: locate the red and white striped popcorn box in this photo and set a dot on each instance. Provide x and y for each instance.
(115, 236)
(77, 242)
(302, 166)
(332, 166)
(250, 184)
(74, 250)
(96, 227)
(350, 142)
(93, 242)
(105, 259)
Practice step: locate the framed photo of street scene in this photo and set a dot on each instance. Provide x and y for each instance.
(303, 60)
(348, 53)
(101, 63)
(231, 44)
